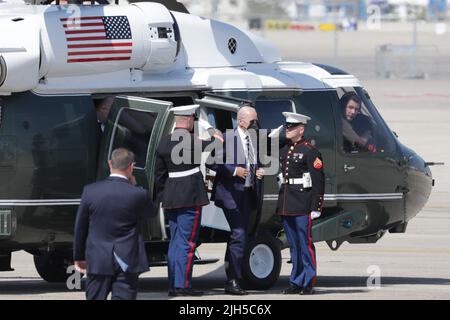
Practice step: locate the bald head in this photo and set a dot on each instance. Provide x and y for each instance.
(184, 122)
(245, 116)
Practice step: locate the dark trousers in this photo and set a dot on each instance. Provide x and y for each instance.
(238, 220)
(184, 231)
(303, 252)
(122, 285)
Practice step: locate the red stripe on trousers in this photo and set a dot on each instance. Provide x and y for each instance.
(310, 242)
(192, 245)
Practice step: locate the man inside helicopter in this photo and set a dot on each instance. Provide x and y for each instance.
(356, 127)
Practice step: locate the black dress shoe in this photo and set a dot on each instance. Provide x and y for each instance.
(292, 289)
(308, 290)
(232, 287)
(184, 292)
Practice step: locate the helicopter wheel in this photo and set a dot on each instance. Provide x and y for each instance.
(52, 267)
(262, 262)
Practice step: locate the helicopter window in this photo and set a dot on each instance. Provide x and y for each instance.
(270, 112)
(221, 119)
(316, 105)
(320, 130)
(363, 129)
(133, 131)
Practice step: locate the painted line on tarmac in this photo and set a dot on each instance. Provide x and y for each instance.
(404, 251)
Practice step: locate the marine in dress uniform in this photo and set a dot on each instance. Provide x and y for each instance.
(180, 188)
(300, 200)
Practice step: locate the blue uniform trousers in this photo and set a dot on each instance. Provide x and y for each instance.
(303, 252)
(184, 230)
(238, 220)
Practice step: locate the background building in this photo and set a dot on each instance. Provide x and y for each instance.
(318, 10)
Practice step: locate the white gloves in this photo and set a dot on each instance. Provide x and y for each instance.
(205, 125)
(275, 133)
(315, 214)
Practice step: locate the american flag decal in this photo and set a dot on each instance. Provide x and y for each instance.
(94, 39)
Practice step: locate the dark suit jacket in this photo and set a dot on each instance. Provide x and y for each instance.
(109, 221)
(228, 189)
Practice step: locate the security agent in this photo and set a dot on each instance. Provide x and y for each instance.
(180, 188)
(300, 201)
(108, 244)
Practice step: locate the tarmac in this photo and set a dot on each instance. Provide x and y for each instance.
(414, 265)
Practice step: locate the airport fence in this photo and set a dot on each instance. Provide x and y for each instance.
(406, 61)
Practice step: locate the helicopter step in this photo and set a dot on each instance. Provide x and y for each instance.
(338, 226)
(5, 262)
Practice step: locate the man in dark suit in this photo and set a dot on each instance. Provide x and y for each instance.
(236, 190)
(108, 244)
(102, 109)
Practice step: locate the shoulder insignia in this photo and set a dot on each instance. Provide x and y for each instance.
(318, 164)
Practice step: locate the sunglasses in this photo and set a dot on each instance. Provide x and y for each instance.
(292, 125)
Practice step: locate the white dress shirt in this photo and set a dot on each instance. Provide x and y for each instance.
(243, 135)
(118, 176)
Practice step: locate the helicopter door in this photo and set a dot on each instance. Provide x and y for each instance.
(221, 113)
(369, 172)
(136, 124)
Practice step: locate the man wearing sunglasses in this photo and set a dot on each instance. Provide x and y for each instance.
(300, 200)
(237, 190)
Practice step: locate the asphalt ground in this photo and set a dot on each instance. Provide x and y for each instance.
(414, 265)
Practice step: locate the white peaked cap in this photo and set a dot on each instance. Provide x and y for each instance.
(185, 110)
(292, 117)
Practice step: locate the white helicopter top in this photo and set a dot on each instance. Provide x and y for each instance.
(56, 49)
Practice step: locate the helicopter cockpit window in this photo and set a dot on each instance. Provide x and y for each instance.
(363, 130)
(133, 131)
